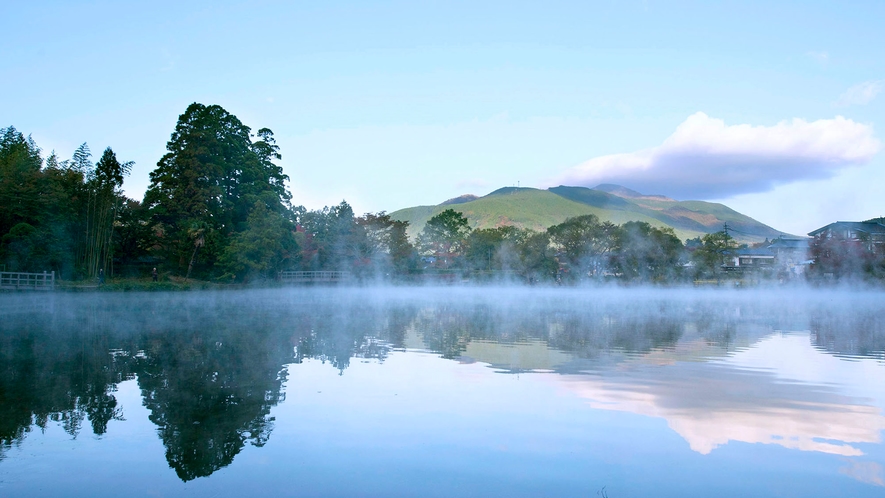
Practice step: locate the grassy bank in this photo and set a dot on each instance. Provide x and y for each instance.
(169, 284)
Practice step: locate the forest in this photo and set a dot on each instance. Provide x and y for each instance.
(217, 209)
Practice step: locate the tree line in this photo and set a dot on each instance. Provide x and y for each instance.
(217, 208)
(579, 249)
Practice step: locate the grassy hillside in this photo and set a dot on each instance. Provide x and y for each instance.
(689, 216)
(539, 209)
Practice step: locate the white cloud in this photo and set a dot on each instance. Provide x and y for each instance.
(705, 158)
(860, 94)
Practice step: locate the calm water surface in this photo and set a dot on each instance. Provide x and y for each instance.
(443, 392)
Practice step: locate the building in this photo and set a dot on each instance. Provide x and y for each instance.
(849, 249)
(791, 254)
(749, 259)
(869, 233)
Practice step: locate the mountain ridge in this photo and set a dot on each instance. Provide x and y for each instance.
(538, 209)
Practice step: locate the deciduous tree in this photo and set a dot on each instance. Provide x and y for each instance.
(444, 236)
(647, 253)
(585, 243)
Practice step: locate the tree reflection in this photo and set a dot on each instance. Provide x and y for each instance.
(333, 335)
(211, 393)
(855, 332)
(586, 332)
(209, 370)
(212, 367)
(59, 376)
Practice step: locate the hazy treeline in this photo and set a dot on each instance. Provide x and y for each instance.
(218, 209)
(579, 249)
(58, 214)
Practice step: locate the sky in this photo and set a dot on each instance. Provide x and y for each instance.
(775, 109)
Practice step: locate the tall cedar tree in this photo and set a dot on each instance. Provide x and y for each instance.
(20, 180)
(203, 189)
(39, 208)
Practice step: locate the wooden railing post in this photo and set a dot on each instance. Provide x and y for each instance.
(27, 281)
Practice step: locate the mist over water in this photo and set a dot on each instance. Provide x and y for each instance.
(450, 391)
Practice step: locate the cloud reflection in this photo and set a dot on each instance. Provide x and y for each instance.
(712, 404)
(868, 472)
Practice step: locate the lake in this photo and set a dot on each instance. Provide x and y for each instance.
(443, 392)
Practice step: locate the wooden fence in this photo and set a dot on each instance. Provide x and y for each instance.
(306, 277)
(27, 281)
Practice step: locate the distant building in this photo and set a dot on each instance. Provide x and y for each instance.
(849, 248)
(869, 233)
(785, 249)
(752, 259)
(782, 257)
(791, 254)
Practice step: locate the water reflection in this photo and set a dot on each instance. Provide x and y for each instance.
(45, 378)
(210, 393)
(742, 398)
(211, 368)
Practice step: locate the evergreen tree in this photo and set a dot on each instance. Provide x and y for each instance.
(131, 236)
(266, 246)
(20, 180)
(204, 188)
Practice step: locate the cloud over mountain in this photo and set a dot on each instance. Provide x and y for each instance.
(705, 158)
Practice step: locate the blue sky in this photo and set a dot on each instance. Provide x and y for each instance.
(394, 104)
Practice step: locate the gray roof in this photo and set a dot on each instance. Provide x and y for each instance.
(857, 226)
(781, 243)
(762, 251)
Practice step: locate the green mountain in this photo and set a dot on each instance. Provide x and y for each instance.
(538, 209)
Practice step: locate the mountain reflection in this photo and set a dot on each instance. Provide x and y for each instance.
(211, 367)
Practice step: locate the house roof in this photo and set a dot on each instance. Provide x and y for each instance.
(857, 226)
(781, 243)
(761, 251)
